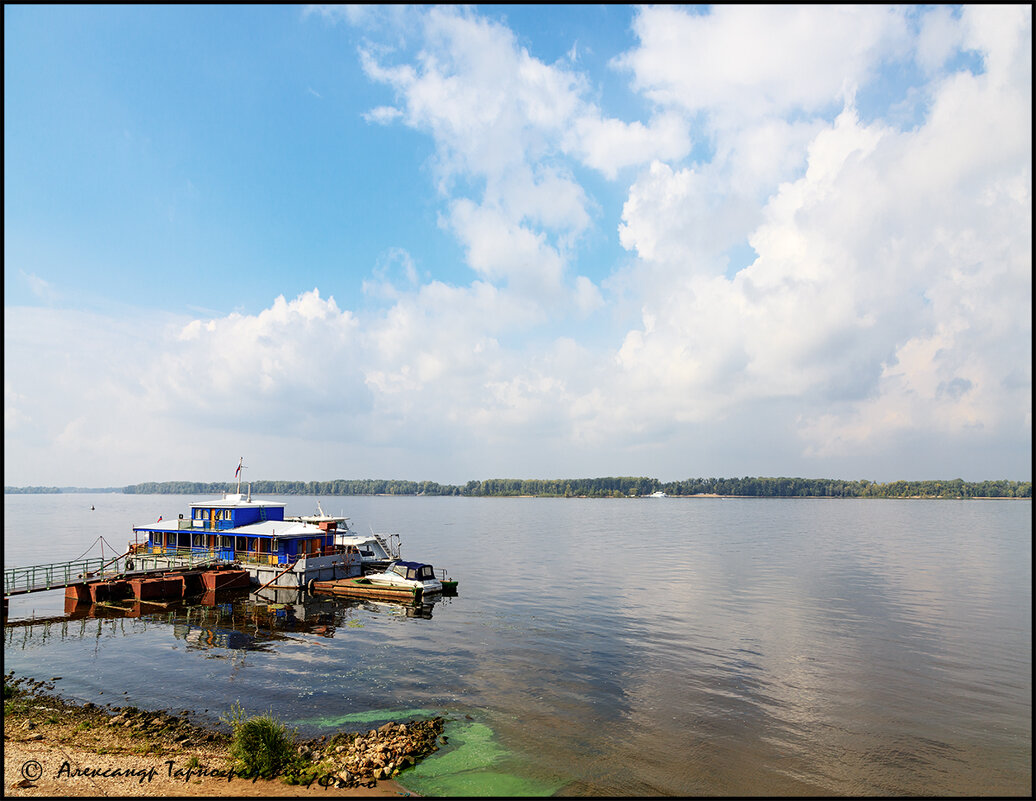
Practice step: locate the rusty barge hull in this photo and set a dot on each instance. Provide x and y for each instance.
(161, 586)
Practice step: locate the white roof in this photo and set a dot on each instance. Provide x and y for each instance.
(279, 528)
(268, 528)
(234, 501)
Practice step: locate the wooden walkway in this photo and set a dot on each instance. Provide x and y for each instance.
(59, 575)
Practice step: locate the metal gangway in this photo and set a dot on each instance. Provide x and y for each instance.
(58, 575)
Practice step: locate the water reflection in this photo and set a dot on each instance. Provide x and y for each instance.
(232, 619)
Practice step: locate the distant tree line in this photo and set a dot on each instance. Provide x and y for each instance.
(615, 487)
(760, 487)
(57, 490)
(341, 486)
(837, 488)
(609, 487)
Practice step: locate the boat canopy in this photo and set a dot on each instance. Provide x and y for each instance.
(415, 571)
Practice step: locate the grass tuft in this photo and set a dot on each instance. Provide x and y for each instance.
(261, 746)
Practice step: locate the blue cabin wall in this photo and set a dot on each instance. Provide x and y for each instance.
(245, 517)
(221, 518)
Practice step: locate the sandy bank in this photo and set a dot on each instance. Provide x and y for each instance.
(56, 748)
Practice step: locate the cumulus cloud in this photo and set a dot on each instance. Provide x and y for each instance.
(751, 62)
(888, 299)
(885, 274)
(609, 145)
(251, 367)
(504, 123)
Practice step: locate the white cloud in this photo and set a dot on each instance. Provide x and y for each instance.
(394, 274)
(889, 299)
(495, 114)
(383, 115)
(1003, 35)
(39, 287)
(678, 218)
(498, 249)
(242, 367)
(940, 36)
(15, 411)
(72, 386)
(755, 61)
(608, 144)
(892, 291)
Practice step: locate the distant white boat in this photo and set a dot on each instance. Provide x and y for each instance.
(657, 495)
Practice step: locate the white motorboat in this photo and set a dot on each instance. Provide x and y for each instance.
(408, 574)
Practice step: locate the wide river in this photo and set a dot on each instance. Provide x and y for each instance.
(636, 647)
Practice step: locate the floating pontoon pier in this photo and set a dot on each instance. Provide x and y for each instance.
(364, 588)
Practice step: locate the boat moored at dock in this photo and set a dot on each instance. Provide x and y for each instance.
(418, 575)
(407, 582)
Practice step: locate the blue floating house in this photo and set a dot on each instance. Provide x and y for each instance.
(255, 534)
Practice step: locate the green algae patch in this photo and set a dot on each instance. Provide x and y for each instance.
(371, 716)
(468, 766)
(471, 747)
(481, 784)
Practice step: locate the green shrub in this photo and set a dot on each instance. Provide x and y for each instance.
(261, 746)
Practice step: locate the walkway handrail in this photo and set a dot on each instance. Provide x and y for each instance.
(57, 575)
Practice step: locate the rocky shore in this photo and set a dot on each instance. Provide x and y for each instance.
(56, 747)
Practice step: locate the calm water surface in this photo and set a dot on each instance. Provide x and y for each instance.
(608, 647)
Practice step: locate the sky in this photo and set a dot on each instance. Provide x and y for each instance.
(452, 243)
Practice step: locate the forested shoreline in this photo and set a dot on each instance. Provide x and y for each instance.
(609, 487)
